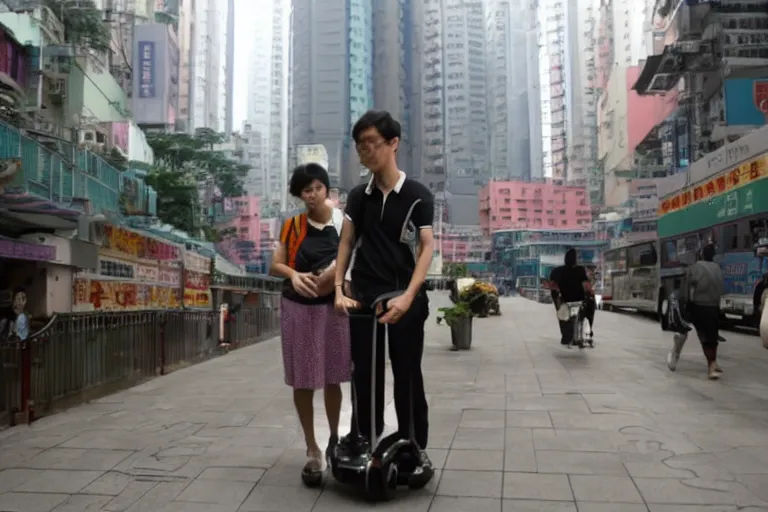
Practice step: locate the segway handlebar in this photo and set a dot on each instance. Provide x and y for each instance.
(380, 301)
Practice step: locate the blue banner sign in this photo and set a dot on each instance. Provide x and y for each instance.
(147, 69)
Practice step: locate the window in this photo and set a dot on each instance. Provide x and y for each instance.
(730, 237)
(642, 255)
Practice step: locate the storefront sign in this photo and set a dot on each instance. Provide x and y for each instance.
(118, 295)
(716, 186)
(146, 69)
(17, 250)
(197, 263)
(109, 267)
(197, 291)
(147, 273)
(136, 245)
(170, 277)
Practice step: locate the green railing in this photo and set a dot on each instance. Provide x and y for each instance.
(54, 176)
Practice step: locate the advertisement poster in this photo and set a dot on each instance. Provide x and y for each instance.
(197, 289)
(741, 272)
(146, 69)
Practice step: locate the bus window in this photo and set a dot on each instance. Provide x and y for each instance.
(642, 255)
(730, 237)
(669, 253)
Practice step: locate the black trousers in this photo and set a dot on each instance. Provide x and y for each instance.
(406, 347)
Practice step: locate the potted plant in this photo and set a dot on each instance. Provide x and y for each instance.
(459, 319)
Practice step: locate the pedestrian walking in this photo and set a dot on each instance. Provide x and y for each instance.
(705, 286)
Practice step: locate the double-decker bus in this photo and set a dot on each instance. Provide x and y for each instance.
(630, 277)
(725, 204)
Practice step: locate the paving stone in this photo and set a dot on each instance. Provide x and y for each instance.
(456, 504)
(479, 439)
(478, 418)
(603, 488)
(580, 463)
(475, 460)
(252, 475)
(529, 419)
(49, 480)
(220, 492)
(83, 503)
(77, 459)
(538, 506)
(30, 501)
(272, 498)
(534, 486)
(478, 484)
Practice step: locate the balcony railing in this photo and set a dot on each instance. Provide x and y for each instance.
(54, 176)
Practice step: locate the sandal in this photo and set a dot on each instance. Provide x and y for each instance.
(314, 469)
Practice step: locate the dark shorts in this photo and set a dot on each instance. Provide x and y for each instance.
(706, 320)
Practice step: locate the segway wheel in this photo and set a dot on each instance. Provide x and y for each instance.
(382, 483)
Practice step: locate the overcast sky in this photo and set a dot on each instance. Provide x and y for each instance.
(247, 20)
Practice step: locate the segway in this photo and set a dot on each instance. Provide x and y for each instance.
(379, 467)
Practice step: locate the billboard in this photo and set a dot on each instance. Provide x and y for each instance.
(147, 69)
(746, 101)
(155, 95)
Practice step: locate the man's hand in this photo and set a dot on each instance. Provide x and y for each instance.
(343, 304)
(305, 285)
(396, 308)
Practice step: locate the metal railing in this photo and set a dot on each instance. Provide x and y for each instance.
(82, 356)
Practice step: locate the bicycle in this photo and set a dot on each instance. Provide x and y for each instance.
(579, 338)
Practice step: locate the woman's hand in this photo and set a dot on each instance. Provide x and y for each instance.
(304, 284)
(343, 304)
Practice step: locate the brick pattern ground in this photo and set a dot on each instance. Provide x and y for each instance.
(517, 424)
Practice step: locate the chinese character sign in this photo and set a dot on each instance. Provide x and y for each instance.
(146, 69)
(724, 183)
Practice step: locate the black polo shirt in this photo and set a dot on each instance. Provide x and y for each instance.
(387, 231)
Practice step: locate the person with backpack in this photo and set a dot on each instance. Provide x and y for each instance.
(705, 283)
(388, 227)
(315, 338)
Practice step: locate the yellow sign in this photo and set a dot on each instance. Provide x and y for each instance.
(725, 182)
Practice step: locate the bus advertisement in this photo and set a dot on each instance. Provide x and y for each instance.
(729, 208)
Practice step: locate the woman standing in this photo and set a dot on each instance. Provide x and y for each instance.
(315, 339)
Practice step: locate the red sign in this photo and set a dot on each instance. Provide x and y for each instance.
(760, 95)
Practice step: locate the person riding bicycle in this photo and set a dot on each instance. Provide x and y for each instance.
(569, 283)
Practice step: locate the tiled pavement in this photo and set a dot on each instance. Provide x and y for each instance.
(517, 424)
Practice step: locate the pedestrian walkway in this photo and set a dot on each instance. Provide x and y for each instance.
(517, 424)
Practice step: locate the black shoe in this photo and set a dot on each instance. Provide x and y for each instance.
(422, 474)
(333, 441)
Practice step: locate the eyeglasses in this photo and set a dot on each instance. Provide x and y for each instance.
(370, 145)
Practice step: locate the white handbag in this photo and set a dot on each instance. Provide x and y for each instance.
(563, 312)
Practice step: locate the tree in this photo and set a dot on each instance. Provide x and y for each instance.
(176, 197)
(83, 23)
(189, 160)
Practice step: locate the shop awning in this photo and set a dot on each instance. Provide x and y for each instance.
(660, 73)
(21, 212)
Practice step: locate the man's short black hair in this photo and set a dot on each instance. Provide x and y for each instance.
(304, 175)
(708, 252)
(382, 120)
(570, 257)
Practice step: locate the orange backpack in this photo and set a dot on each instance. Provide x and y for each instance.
(293, 233)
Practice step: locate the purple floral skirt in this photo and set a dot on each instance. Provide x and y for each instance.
(315, 341)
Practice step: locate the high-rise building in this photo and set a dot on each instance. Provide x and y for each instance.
(207, 89)
(514, 111)
(229, 121)
(570, 107)
(268, 104)
(332, 76)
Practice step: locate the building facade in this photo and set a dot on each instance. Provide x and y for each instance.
(238, 221)
(514, 113)
(533, 205)
(208, 73)
(332, 77)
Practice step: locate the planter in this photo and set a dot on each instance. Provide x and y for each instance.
(461, 333)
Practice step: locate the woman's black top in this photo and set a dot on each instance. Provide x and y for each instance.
(316, 252)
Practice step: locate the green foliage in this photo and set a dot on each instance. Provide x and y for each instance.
(455, 270)
(183, 161)
(83, 23)
(452, 314)
(176, 197)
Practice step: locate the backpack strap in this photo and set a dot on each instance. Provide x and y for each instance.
(293, 233)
